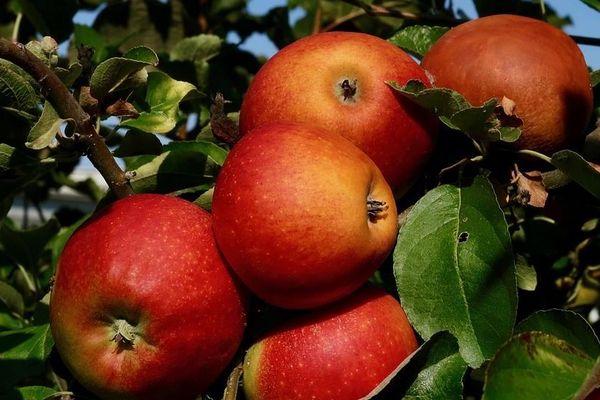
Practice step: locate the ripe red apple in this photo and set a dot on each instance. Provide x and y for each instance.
(143, 306)
(340, 352)
(528, 61)
(302, 215)
(336, 81)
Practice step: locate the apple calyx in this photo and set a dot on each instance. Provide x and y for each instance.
(348, 90)
(375, 208)
(124, 333)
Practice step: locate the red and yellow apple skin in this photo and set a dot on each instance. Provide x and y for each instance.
(291, 215)
(526, 60)
(148, 263)
(340, 352)
(305, 81)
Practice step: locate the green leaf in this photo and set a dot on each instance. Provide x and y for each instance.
(163, 96)
(69, 75)
(26, 246)
(12, 299)
(215, 152)
(595, 4)
(579, 170)
(30, 393)
(455, 270)
(595, 76)
(16, 88)
(418, 39)
(58, 242)
(137, 143)
(536, 366)
(45, 129)
(480, 123)
(171, 171)
(114, 71)
(88, 36)
(51, 18)
(565, 325)
(526, 274)
(23, 353)
(198, 50)
(434, 371)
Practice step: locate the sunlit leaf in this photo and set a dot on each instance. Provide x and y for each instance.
(455, 270)
(163, 96)
(46, 128)
(418, 39)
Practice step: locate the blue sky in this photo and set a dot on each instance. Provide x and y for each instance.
(586, 22)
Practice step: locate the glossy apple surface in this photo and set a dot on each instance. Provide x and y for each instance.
(143, 306)
(528, 61)
(336, 81)
(340, 352)
(302, 215)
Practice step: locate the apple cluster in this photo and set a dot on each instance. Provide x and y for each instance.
(154, 290)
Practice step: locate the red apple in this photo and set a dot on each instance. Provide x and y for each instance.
(528, 61)
(302, 215)
(142, 306)
(340, 352)
(336, 81)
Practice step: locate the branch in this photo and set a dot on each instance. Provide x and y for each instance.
(380, 11)
(586, 40)
(67, 107)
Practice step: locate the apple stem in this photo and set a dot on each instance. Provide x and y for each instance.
(348, 88)
(375, 207)
(124, 333)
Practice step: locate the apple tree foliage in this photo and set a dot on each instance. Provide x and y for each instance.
(497, 263)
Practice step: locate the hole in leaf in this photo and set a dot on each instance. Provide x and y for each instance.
(463, 237)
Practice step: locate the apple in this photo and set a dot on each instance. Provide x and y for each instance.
(526, 60)
(143, 306)
(302, 216)
(342, 351)
(336, 81)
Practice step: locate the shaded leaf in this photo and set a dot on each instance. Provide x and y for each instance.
(16, 88)
(51, 18)
(171, 171)
(418, 39)
(536, 366)
(69, 75)
(480, 123)
(58, 241)
(434, 371)
(197, 50)
(565, 325)
(136, 143)
(12, 299)
(26, 246)
(595, 75)
(45, 129)
(163, 96)
(215, 152)
(455, 270)
(595, 4)
(114, 71)
(579, 170)
(23, 353)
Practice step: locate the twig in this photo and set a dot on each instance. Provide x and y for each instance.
(380, 11)
(16, 27)
(343, 19)
(233, 382)
(586, 40)
(68, 108)
(318, 18)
